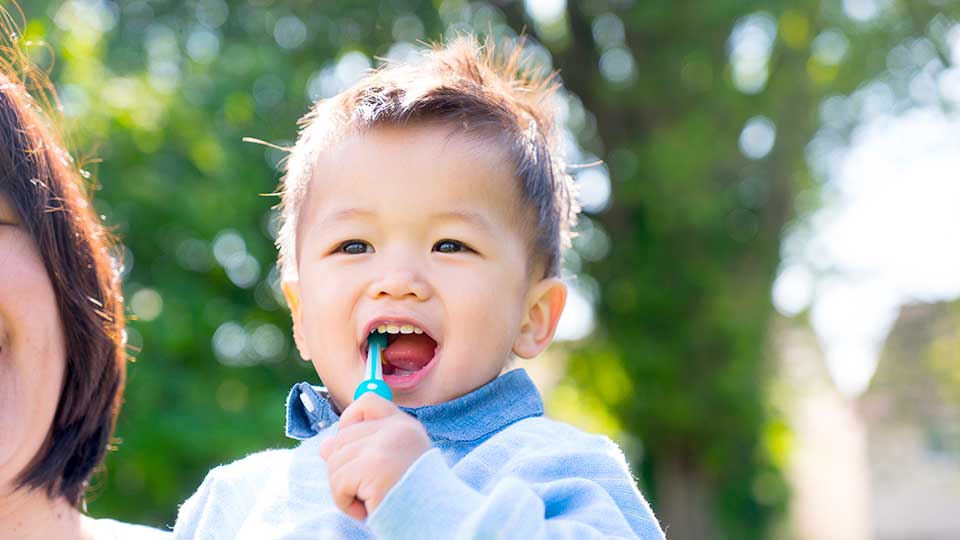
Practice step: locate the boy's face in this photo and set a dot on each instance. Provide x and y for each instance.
(412, 226)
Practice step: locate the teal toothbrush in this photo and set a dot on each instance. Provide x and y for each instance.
(376, 343)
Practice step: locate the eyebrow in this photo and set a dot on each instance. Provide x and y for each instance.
(347, 214)
(467, 216)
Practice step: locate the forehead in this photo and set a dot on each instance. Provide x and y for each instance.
(413, 172)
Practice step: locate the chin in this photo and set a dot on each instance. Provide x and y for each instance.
(412, 400)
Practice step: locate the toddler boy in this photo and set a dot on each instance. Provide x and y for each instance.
(427, 203)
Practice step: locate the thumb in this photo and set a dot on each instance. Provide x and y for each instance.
(357, 510)
(370, 406)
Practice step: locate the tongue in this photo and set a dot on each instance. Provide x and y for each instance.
(410, 352)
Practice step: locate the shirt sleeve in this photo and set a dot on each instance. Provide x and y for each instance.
(574, 494)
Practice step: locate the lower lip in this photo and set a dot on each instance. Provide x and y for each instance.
(407, 382)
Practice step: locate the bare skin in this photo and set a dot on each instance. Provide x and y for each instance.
(32, 365)
(31, 515)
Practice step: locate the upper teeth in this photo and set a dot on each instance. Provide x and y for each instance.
(397, 329)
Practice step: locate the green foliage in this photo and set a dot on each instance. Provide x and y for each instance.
(164, 92)
(695, 227)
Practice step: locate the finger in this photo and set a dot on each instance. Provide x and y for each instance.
(361, 430)
(345, 482)
(348, 435)
(370, 406)
(345, 454)
(357, 510)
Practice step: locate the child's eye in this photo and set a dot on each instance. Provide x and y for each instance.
(354, 247)
(450, 246)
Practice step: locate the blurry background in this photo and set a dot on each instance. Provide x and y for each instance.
(765, 278)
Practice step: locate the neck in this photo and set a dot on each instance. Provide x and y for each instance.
(31, 515)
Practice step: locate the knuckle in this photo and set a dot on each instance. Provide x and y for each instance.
(379, 461)
(333, 478)
(367, 400)
(409, 428)
(338, 482)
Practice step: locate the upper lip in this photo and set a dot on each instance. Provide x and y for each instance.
(398, 320)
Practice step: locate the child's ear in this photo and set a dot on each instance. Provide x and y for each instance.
(544, 305)
(291, 291)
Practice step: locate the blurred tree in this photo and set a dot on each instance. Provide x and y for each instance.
(701, 110)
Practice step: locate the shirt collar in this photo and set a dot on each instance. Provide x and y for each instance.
(478, 414)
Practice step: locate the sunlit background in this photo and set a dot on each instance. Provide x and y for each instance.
(764, 287)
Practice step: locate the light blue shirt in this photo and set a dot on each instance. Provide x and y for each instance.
(498, 469)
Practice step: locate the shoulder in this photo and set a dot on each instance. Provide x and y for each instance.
(234, 486)
(546, 448)
(258, 471)
(253, 468)
(543, 434)
(231, 493)
(109, 529)
(564, 463)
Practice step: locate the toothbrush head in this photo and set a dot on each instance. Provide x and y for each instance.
(378, 339)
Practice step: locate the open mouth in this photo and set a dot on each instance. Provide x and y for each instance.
(409, 350)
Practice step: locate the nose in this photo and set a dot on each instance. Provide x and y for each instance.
(399, 283)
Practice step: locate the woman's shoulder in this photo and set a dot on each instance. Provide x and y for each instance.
(111, 529)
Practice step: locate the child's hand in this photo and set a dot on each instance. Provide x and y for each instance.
(376, 443)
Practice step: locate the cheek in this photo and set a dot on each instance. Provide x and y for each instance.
(13, 415)
(32, 357)
(493, 303)
(328, 302)
(329, 299)
(28, 404)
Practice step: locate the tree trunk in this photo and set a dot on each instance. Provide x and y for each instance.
(683, 501)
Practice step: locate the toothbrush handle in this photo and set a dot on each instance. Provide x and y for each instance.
(374, 382)
(376, 386)
(374, 363)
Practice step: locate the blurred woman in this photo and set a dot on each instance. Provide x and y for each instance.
(62, 358)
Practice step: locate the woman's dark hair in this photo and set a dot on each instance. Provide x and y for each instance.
(49, 193)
